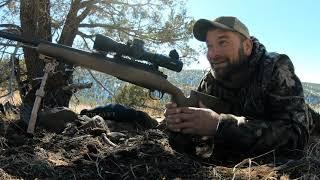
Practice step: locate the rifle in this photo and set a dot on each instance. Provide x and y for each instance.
(121, 66)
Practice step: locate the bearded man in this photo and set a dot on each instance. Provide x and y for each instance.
(268, 108)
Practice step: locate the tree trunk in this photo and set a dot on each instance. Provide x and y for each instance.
(29, 11)
(36, 24)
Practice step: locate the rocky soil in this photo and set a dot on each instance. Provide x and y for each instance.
(99, 149)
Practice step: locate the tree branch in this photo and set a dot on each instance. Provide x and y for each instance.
(93, 25)
(148, 3)
(82, 34)
(84, 40)
(88, 3)
(84, 13)
(5, 3)
(8, 44)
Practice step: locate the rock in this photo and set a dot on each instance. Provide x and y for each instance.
(116, 136)
(83, 119)
(55, 119)
(70, 129)
(94, 126)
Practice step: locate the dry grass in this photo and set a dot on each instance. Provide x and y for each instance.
(78, 107)
(59, 155)
(13, 98)
(307, 167)
(140, 154)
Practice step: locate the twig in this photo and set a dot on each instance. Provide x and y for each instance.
(312, 148)
(249, 168)
(95, 79)
(249, 160)
(109, 172)
(98, 169)
(147, 168)
(116, 165)
(290, 165)
(131, 169)
(107, 140)
(77, 86)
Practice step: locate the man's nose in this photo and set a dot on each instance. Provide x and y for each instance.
(213, 54)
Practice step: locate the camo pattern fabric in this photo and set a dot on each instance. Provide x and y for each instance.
(268, 111)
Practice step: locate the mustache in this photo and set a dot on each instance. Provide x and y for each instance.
(218, 61)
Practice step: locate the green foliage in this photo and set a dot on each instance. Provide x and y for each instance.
(131, 96)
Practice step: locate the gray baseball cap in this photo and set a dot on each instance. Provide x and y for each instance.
(229, 23)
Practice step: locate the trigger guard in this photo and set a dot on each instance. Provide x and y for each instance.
(154, 97)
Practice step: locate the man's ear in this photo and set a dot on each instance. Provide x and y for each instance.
(247, 46)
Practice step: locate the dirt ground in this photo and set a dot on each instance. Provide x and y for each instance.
(138, 154)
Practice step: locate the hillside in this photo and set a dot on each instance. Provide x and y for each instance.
(312, 93)
(186, 80)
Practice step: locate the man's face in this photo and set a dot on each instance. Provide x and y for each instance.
(225, 52)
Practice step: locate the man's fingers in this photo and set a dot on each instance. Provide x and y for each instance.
(176, 130)
(182, 116)
(186, 110)
(171, 108)
(173, 121)
(168, 112)
(183, 125)
(171, 105)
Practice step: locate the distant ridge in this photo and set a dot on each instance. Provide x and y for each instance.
(186, 80)
(192, 77)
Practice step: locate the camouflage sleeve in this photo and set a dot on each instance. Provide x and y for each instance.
(286, 127)
(203, 85)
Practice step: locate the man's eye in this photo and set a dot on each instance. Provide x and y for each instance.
(223, 43)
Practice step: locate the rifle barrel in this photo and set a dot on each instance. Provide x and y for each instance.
(18, 38)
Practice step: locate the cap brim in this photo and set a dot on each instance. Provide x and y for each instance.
(201, 27)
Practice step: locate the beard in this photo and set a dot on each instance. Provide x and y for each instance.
(227, 67)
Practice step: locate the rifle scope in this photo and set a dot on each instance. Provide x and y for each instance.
(136, 50)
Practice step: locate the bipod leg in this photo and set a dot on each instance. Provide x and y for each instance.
(50, 65)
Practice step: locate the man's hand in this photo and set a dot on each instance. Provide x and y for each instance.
(191, 120)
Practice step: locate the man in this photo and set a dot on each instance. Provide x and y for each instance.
(268, 108)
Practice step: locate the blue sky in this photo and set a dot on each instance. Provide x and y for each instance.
(283, 26)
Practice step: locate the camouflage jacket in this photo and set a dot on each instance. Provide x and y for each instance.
(268, 110)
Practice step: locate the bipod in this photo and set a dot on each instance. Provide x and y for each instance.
(50, 65)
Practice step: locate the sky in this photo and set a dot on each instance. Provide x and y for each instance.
(283, 26)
